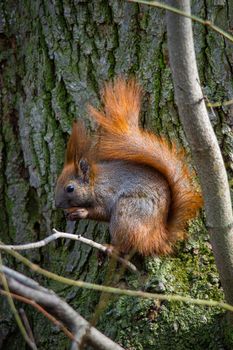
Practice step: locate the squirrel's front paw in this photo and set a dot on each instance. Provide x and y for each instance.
(76, 213)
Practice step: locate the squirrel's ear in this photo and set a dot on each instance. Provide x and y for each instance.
(84, 170)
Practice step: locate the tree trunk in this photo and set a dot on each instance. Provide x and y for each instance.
(55, 56)
(203, 143)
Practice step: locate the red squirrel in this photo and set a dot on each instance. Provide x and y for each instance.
(129, 177)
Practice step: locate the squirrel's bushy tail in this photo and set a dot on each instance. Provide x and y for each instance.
(123, 139)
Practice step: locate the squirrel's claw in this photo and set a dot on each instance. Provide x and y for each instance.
(73, 214)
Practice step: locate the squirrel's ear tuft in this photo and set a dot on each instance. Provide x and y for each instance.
(72, 146)
(79, 145)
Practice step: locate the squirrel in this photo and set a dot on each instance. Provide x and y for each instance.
(137, 181)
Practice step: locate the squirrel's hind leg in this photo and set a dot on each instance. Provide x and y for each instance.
(137, 224)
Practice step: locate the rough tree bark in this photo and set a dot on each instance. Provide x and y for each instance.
(54, 58)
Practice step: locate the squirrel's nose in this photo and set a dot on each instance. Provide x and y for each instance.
(59, 202)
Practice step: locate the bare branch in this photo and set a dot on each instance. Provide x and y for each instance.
(18, 320)
(60, 310)
(40, 309)
(57, 234)
(118, 291)
(26, 324)
(220, 104)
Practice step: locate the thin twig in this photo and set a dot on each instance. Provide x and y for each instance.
(118, 291)
(57, 234)
(182, 13)
(220, 104)
(212, 105)
(26, 325)
(18, 320)
(42, 310)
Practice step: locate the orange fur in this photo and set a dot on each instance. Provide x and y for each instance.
(124, 140)
(79, 144)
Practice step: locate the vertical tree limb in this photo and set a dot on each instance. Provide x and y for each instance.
(203, 143)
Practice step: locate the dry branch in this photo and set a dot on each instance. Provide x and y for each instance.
(57, 234)
(118, 291)
(26, 323)
(41, 310)
(27, 288)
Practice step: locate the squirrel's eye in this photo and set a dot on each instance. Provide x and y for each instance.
(70, 188)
